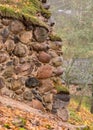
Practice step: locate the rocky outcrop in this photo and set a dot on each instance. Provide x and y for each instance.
(31, 57)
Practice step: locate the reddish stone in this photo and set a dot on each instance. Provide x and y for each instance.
(44, 57)
(44, 72)
(37, 104)
(46, 86)
(40, 47)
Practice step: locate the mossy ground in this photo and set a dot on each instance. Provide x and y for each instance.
(83, 117)
(24, 10)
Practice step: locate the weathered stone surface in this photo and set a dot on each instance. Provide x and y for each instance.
(20, 50)
(16, 39)
(25, 37)
(40, 34)
(22, 67)
(32, 82)
(44, 57)
(16, 27)
(27, 95)
(46, 86)
(8, 72)
(63, 114)
(3, 56)
(7, 92)
(58, 71)
(15, 84)
(15, 60)
(10, 45)
(5, 33)
(2, 82)
(1, 42)
(48, 98)
(9, 63)
(19, 91)
(53, 54)
(55, 45)
(59, 103)
(1, 25)
(57, 61)
(63, 97)
(45, 71)
(54, 91)
(37, 104)
(6, 22)
(40, 47)
(49, 106)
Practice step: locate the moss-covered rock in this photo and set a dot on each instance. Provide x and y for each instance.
(26, 11)
(62, 88)
(54, 37)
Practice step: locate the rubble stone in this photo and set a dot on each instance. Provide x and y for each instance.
(46, 86)
(25, 37)
(16, 26)
(10, 45)
(44, 57)
(20, 50)
(37, 104)
(2, 83)
(27, 95)
(3, 57)
(32, 82)
(44, 72)
(41, 34)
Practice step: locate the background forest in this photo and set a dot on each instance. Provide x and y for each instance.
(74, 23)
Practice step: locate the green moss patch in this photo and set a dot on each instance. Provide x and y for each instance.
(62, 88)
(24, 10)
(54, 37)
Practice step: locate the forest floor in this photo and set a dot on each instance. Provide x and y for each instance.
(15, 115)
(19, 116)
(83, 117)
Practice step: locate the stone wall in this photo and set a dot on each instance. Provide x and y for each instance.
(31, 64)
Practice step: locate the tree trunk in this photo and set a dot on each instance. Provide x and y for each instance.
(80, 103)
(91, 109)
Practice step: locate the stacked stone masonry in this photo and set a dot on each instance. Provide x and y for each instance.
(31, 65)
